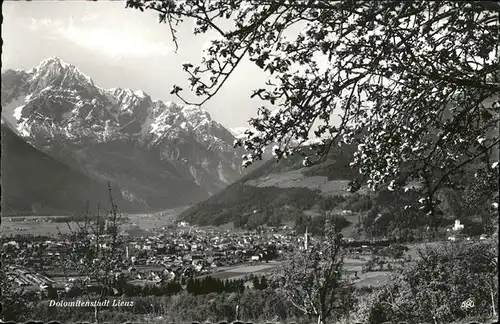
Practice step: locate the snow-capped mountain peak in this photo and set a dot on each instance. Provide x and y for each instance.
(140, 93)
(54, 72)
(57, 108)
(196, 114)
(52, 65)
(52, 61)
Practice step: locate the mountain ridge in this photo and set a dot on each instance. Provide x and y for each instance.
(278, 193)
(162, 153)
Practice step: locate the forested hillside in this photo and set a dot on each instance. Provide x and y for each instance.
(284, 192)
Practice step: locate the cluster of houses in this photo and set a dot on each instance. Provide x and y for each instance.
(24, 277)
(167, 253)
(163, 255)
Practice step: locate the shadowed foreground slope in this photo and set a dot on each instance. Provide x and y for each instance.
(33, 182)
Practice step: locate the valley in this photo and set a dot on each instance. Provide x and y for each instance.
(267, 162)
(193, 223)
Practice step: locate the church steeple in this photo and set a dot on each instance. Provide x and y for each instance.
(305, 240)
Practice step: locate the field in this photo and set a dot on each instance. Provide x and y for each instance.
(350, 266)
(296, 179)
(372, 278)
(145, 222)
(238, 272)
(365, 279)
(33, 225)
(138, 224)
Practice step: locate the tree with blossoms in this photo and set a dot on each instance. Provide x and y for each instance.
(95, 253)
(447, 283)
(413, 85)
(313, 280)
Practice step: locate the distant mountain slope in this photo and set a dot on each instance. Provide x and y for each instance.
(278, 192)
(161, 154)
(33, 182)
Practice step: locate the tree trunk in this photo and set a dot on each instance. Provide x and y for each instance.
(492, 292)
(95, 314)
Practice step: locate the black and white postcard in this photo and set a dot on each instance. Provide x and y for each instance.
(250, 161)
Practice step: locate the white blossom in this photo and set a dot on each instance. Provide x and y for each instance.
(391, 186)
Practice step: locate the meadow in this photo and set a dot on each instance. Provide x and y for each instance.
(295, 178)
(34, 225)
(240, 271)
(136, 224)
(351, 266)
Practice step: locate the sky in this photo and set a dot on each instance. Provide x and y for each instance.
(120, 47)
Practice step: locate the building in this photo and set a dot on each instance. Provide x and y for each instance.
(458, 226)
(305, 240)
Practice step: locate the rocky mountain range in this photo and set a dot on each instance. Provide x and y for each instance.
(160, 154)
